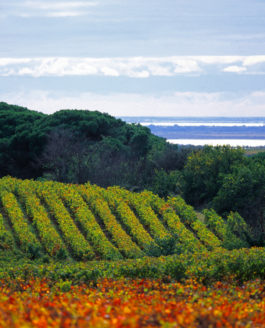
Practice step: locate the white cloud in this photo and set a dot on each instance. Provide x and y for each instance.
(65, 14)
(134, 67)
(51, 9)
(177, 104)
(52, 14)
(109, 71)
(235, 69)
(253, 60)
(66, 5)
(139, 74)
(215, 60)
(14, 61)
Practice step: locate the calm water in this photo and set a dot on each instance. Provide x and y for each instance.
(213, 124)
(197, 121)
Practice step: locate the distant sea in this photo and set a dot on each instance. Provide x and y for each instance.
(234, 131)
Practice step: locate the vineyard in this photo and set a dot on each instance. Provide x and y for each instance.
(86, 222)
(84, 256)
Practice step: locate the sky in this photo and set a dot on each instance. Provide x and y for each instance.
(134, 58)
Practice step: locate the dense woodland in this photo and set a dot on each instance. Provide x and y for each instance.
(77, 146)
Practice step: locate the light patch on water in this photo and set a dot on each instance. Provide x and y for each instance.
(202, 124)
(220, 142)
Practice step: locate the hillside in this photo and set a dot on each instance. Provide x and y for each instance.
(86, 222)
(76, 146)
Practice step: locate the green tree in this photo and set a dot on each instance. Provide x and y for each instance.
(243, 191)
(203, 173)
(165, 184)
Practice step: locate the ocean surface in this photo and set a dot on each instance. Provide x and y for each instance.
(234, 131)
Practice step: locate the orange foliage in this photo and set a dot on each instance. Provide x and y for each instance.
(132, 303)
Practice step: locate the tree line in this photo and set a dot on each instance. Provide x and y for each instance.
(78, 146)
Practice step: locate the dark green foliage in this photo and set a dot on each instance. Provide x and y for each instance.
(231, 232)
(165, 184)
(243, 190)
(61, 254)
(20, 139)
(259, 157)
(206, 267)
(153, 250)
(78, 146)
(223, 178)
(171, 157)
(168, 245)
(238, 226)
(34, 252)
(6, 240)
(204, 169)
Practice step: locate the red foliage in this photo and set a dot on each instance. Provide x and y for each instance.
(132, 303)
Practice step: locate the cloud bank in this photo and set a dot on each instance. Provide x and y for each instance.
(129, 104)
(133, 67)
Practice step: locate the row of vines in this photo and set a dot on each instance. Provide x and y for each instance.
(86, 222)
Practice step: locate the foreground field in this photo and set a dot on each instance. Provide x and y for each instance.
(132, 303)
(84, 256)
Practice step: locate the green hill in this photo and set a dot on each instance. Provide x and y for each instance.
(86, 222)
(76, 146)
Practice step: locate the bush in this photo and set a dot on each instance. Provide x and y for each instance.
(34, 252)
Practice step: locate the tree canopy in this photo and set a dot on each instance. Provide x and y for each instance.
(94, 146)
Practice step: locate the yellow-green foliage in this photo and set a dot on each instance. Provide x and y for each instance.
(39, 217)
(125, 214)
(72, 235)
(118, 235)
(6, 239)
(148, 217)
(86, 222)
(26, 238)
(226, 230)
(189, 217)
(187, 240)
(84, 216)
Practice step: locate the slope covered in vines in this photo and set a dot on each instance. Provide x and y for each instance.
(86, 222)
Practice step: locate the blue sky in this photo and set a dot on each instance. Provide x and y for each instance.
(174, 58)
